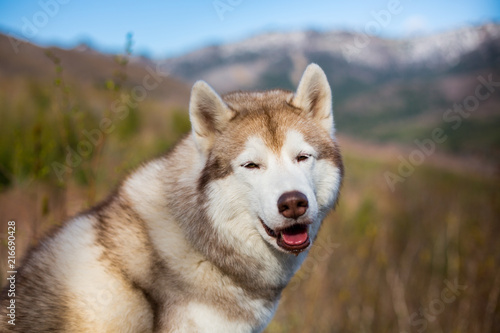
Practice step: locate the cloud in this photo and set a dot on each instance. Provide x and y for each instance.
(415, 24)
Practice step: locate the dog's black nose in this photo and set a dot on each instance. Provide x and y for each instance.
(293, 204)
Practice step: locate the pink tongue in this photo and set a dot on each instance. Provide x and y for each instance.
(294, 238)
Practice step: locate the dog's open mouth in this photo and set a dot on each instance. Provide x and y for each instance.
(294, 239)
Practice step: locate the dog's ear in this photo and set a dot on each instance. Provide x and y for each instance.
(208, 115)
(315, 97)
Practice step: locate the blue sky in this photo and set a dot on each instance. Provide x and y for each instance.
(167, 27)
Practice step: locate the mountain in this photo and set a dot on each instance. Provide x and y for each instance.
(384, 90)
(266, 59)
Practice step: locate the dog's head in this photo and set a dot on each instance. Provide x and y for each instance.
(271, 157)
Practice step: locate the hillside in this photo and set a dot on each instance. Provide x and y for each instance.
(82, 66)
(51, 97)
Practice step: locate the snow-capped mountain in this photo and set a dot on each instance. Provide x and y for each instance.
(267, 58)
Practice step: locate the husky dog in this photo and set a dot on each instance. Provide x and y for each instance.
(203, 239)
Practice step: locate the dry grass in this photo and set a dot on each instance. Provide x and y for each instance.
(382, 259)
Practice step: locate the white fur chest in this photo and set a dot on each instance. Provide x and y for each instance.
(199, 317)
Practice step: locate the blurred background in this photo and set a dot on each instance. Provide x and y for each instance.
(89, 90)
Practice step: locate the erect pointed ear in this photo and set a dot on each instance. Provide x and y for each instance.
(315, 97)
(208, 115)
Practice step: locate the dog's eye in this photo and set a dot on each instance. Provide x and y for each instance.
(251, 165)
(302, 157)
